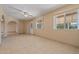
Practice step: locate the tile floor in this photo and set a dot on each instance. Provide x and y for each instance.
(33, 44)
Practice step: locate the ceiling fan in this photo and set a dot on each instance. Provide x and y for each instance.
(26, 14)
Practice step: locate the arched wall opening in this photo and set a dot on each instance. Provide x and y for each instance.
(12, 25)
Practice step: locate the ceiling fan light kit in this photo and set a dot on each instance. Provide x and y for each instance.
(26, 15)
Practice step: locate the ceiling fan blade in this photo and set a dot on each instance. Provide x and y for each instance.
(16, 9)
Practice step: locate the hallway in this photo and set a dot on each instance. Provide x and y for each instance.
(34, 44)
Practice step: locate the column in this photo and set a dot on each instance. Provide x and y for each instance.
(17, 27)
(0, 31)
(78, 18)
(5, 32)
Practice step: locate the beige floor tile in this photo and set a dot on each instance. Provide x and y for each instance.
(33, 44)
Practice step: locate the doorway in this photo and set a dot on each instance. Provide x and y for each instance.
(11, 28)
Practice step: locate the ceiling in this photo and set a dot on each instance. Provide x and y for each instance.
(34, 9)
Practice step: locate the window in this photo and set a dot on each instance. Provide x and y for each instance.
(39, 23)
(67, 20)
(32, 25)
(39, 26)
(60, 22)
(71, 19)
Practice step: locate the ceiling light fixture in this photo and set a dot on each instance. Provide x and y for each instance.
(25, 14)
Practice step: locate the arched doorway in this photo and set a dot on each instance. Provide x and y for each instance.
(12, 28)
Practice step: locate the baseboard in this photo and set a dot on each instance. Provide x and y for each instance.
(57, 41)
